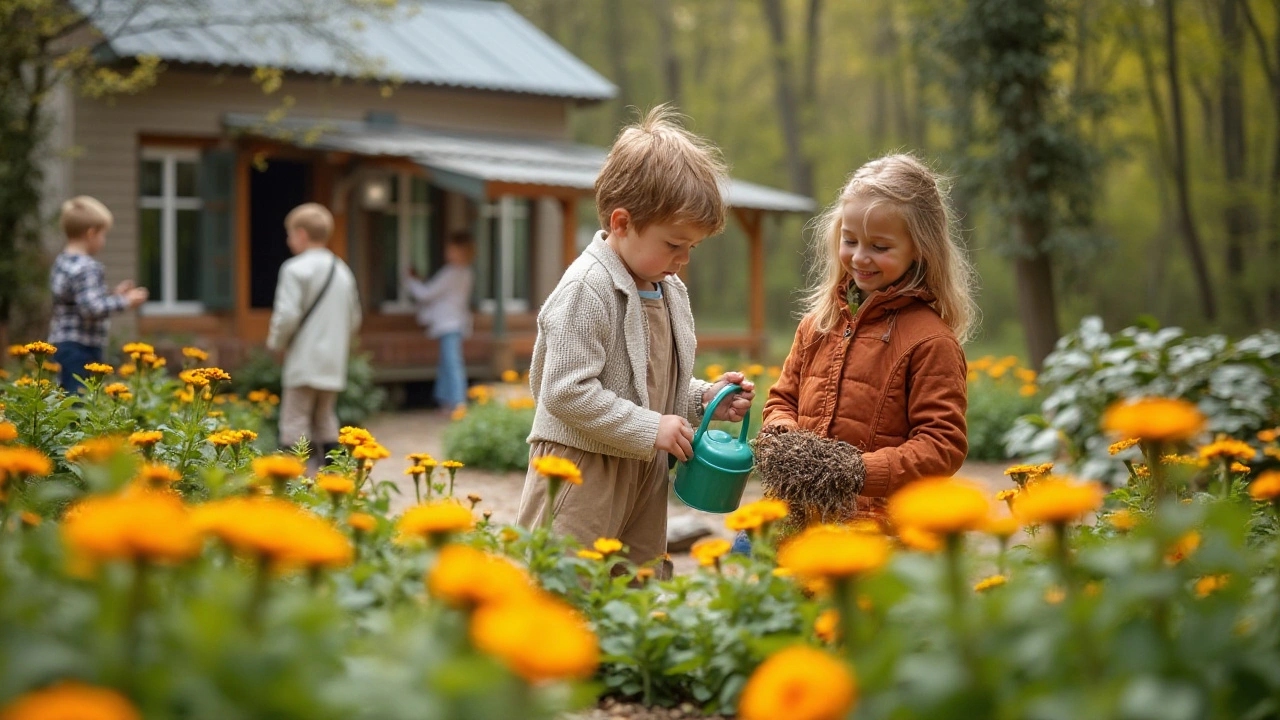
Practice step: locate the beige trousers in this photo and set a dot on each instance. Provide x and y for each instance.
(311, 413)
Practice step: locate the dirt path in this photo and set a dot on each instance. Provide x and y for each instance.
(423, 431)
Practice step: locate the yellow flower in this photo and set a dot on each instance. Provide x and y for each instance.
(278, 467)
(714, 372)
(997, 371)
(1054, 595)
(1026, 375)
(70, 700)
(51, 366)
(1239, 468)
(510, 376)
(18, 461)
(354, 437)
(193, 378)
(1269, 436)
(213, 374)
(827, 626)
(18, 351)
(146, 438)
(1227, 449)
(146, 525)
(607, 546)
(942, 506)
(1266, 486)
(418, 458)
(1155, 419)
(458, 413)
(550, 466)
(40, 348)
(99, 368)
(1183, 547)
(1007, 495)
(8, 432)
(522, 403)
(1001, 526)
(371, 450)
(364, 522)
(539, 638)
(154, 361)
(826, 551)
(1056, 500)
(257, 396)
(31, 519)
(451, 465)
(708, 551)
(1210, 584)
(590, 555)
(990, 582)
(774, 372)
(158, 476)
(94, 450)
(275, 530)
(1122, 520)
(336, 484)
(1029, 470)
(919, 540)
(195, 353)
(754, 515)
(433, 519)
(1028, 390)
(466, 578)
(138, 348)
(115, 390)
(754, 370)
(508, 535)
(799, 683)
(1118, 447)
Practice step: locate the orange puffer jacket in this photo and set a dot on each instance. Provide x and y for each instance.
(890, 381)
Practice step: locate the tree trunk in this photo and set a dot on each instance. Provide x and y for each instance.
(1238, 215)
(1037, 306)
(798, 166)
(670, 58)
(618, 54)
(1186, 219)
(1273, 195)
(813, 38)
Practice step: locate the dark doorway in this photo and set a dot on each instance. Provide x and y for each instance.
(273, 191)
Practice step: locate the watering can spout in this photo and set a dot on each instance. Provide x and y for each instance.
(715, 476)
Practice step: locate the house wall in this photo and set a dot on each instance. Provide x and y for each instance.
(186, 104)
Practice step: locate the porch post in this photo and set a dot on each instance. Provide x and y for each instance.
(569, 220)
(502, 358)
(752, 224)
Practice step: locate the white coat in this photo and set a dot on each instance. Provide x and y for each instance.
(316, 355)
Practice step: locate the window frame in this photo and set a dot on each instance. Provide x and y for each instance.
(506, 210)
(405, 209)
(163, 300)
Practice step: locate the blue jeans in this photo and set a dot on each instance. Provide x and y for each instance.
(451, 373)
(73, 356)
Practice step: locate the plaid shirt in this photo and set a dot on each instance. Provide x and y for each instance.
(81, 302)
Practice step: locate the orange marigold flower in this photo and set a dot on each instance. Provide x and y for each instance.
(590, 555)
(756, 514)
(1154, 419)
(1210, 584)
(364, 522)
(799, 683)
(19, 350)
(550, 466)
(150, 526)
(827, 551)
(19, 461)
(146, 438)
(919, 540)
(193, 378)
(827, 626)
(40, 348)
(157, 475)
(1001, 526)
(1227, 449)
(99, 368)
(1122, 520)
(138, 348)
(336, 484)
(708, 551)
(1266, 486)
(115, 390)
(371, 450)
(539, 638)
(435, 519)
(418, 458)
(195, 353)
(941, 506)
(607, 546)
(1183, 547)
(276, 530)
(8, 432)
(1240, 468)
(1056, 500)
(510, 376)
(1116, 448)
(70, 700)
(354, 436)
(466, 578)
(987, 583)
(213, 374)
(94, 450)
(278, 467)
(451, 465)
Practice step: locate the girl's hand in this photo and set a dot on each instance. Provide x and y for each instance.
(736, 406)
(675, 435)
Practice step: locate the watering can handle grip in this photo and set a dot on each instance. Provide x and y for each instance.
(725, 392)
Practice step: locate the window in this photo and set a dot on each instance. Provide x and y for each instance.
(169, 229)
(505, 232)
(402, 241)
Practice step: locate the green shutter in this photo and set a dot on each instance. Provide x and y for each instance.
(217, 229)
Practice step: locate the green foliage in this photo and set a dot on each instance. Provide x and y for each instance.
(356, 404)
(491, 435)
(1236, 384)
(994, 406)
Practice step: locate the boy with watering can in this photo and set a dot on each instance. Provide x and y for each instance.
(612, 366)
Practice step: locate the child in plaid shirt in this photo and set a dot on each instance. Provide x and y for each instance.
(81, 303)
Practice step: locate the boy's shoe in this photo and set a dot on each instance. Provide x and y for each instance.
(741, 544)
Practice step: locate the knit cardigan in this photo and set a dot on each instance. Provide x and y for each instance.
(589, 372)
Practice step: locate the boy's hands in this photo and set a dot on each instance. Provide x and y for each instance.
(134, 297)
(675, 435)
(736, 406)
(124, 287)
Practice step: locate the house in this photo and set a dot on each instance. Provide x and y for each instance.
(455, 116)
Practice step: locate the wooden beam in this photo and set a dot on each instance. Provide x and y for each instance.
(244, 161)
(497, 188)
(569, 239)
(752, 223)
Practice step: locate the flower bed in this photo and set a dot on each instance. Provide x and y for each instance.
(154, 564)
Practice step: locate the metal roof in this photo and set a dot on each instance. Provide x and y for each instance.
(477, 159)
(475, 44)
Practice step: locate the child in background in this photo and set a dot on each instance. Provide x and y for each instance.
(81, 304)
(876, 361)
(612, 366)
(445, 310)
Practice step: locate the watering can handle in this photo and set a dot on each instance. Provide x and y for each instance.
(725, 392)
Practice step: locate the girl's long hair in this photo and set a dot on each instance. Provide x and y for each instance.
(921, 198)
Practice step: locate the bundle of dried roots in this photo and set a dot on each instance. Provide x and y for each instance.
(817, 477)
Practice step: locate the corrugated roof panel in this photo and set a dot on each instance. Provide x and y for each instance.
(458, 43)
(490, 157)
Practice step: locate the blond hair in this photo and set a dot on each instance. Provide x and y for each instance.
(660, 172)
(921, 199)
(314, 219)
(83, 213)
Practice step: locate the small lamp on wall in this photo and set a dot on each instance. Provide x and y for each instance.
(375, 193)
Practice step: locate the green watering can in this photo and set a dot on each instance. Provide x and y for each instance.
(714, 478)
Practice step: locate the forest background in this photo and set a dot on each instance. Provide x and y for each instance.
(1110, 157)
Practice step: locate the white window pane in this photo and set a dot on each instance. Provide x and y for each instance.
(188, 244)
(520, 257)
(151, 178)
(149, 261)
(186, 179)
(420, 244)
